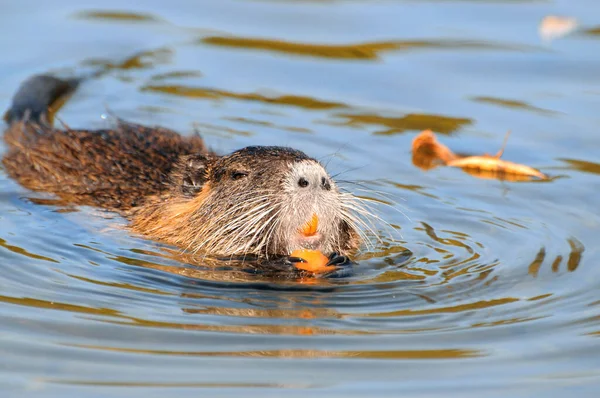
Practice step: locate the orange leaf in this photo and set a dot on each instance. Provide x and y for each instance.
(500, 168)
(427, 149)
(429, 153)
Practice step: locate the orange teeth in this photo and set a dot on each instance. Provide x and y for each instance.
(310, 228)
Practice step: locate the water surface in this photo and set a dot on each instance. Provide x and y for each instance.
(500, 295)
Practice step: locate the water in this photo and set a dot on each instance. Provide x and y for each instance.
(500, 296)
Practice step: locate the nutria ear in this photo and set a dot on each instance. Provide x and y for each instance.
(193, 173)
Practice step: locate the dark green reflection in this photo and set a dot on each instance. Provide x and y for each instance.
(595, 31)
(23, 252)
(55, 305)
(307, 353)
(512, 104)
(214, 94)
(117, 16)
(140, 60)
(582, 165)
(412, 121)
(358, 51)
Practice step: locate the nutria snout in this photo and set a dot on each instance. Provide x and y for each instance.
(259, 200)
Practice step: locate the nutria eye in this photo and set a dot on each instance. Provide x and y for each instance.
(238, 175)
(325, 184)
(302, 182)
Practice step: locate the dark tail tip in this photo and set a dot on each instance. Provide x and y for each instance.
(36, 96)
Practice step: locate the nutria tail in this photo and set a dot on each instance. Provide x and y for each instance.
(36, 98)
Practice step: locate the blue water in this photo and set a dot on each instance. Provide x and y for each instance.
(500, 296)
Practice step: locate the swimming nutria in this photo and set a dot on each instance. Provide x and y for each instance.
(172, 188)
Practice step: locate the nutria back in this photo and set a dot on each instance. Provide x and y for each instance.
(112, 168)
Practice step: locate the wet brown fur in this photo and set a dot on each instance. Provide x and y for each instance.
(113, 169)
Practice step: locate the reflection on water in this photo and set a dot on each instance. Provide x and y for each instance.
(477, 287)
(141, 60)
(395, 125)
(213, 94)
(415, 354)
(117, 16)
(19, 250)
(573, 260)
(581, 165)
(351, 51)
(512, 104)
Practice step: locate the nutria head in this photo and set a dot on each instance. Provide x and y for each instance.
(258, 200)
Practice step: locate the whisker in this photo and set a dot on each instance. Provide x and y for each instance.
(365, 214)
(366, 188)
(368, 214)
(207, 236)
(334, 176)
(331, 155)
(365, 202)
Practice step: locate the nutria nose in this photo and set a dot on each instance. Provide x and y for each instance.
(325, 184)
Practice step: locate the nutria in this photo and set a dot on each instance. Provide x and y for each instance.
(254, 201)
